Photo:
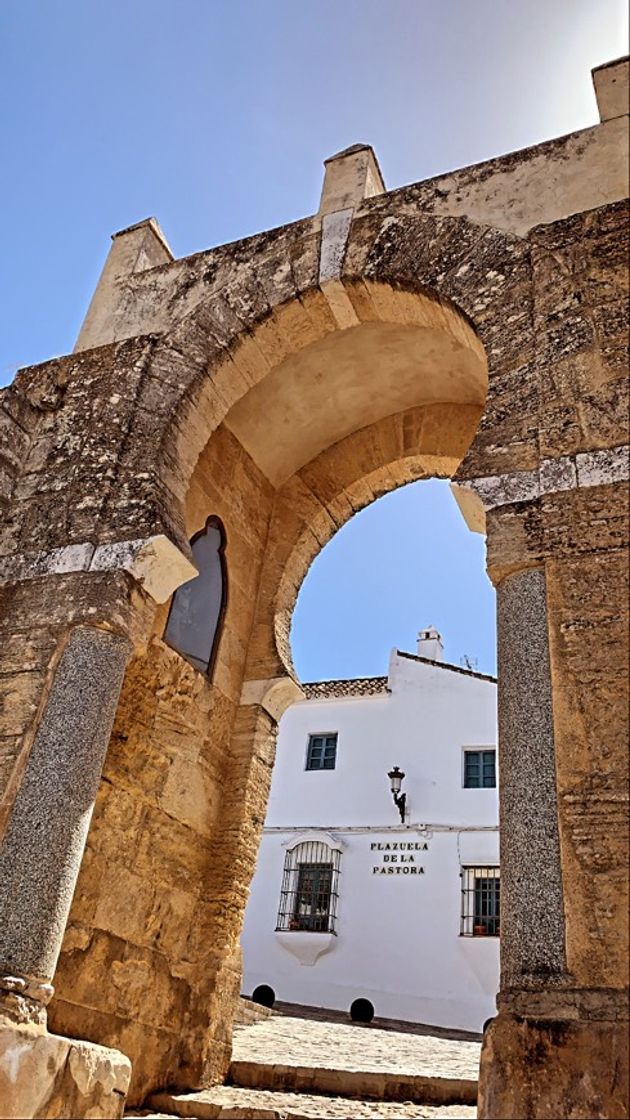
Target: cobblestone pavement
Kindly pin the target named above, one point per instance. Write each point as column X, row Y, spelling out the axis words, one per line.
column 306, row 1047
column 255, row 1104
column 302, row 1042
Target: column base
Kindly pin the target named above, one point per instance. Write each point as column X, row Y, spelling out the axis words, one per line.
column 553, row 1069
column 45, row 1076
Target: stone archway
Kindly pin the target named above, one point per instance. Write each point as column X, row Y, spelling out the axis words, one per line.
column 151, row 964
column 138, row 437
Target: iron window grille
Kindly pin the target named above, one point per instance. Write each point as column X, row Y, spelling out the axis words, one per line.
column 480, row 769
column 321, row 753
column 308, row 899
column 481, row 898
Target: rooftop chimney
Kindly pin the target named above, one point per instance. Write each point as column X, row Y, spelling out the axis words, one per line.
column 430, row 644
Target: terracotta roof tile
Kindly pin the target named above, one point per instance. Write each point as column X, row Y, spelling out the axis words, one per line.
column 360, row 686
column 378, row 686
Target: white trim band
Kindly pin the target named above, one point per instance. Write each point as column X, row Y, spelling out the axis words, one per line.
column 155, row 562
column 571, row 472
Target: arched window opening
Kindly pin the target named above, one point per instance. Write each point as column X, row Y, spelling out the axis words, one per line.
column 308, row 899
column 196, row 615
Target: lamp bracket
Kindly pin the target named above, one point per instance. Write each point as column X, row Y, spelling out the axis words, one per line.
column 400, row 801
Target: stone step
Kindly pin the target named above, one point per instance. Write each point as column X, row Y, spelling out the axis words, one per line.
column 230, row 1102
column 293, row 1055
column 248, row 1012
column 379, row 1085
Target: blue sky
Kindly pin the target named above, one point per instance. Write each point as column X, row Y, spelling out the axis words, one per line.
column 405, row 562
column 215, row 116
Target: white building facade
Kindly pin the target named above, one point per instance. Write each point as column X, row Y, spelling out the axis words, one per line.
column 358, row 896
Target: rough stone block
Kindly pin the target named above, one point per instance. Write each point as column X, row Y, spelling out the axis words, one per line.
column 48, row 1077
column 549, row 1068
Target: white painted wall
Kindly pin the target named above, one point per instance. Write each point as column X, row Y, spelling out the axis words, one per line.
column 397, row 937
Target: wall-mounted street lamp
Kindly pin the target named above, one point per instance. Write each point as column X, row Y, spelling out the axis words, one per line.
column 395, row 780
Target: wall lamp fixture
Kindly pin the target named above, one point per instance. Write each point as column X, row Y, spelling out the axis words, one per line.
column 395, row 780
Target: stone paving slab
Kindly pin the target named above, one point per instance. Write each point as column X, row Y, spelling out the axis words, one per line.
column 340, row 1071
column 231, row 1103
column 334, row 1059
column 301, row 1042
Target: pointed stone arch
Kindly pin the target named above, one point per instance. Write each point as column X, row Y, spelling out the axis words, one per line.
column 396, row 330
column 232, row 326
column 397, row 273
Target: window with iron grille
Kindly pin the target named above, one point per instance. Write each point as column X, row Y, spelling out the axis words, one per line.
column 308, row 899
column 480, row 769
column 321, row 752
column 481, row 896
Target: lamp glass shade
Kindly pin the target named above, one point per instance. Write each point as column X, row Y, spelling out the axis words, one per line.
column 395, row 777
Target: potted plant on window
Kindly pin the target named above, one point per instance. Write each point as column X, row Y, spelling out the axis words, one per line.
column 480, row 930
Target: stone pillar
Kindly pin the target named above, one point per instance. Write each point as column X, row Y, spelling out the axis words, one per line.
column 554, row 1049
column 532, row 917
column 47, row 830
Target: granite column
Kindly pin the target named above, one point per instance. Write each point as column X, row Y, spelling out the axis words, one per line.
column 43, row 845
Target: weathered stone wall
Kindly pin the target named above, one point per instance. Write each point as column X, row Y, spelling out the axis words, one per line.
column 140, row 964
column 401, row 309
column 18, row 419
column 576, row 537
column 579, row 534
column 69, row 424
